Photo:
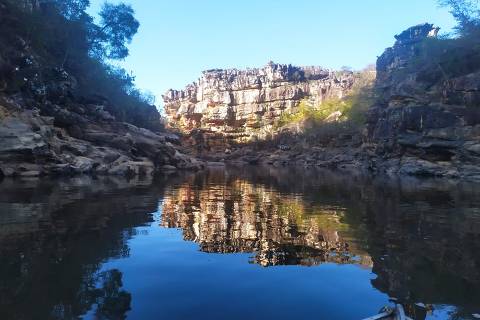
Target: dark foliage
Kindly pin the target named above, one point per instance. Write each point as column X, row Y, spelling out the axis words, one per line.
column 467, row 14
column 60, row 34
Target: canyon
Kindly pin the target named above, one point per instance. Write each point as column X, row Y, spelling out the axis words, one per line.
column 417, row 113
column 424, row 119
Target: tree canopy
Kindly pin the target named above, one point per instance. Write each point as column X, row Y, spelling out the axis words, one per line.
column 467, row 14
column 65, row 35
column 116, row 29
column 109, row 38
column 72, row 9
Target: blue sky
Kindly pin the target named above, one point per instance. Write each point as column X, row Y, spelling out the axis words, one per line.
column 178, row 39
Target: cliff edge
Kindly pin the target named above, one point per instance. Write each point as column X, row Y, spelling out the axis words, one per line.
column 427, row 117
column 240, row 106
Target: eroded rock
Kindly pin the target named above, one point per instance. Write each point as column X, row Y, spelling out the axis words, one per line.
column 241, row 105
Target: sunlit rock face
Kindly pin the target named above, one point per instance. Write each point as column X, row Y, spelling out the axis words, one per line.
column 242, row 104
column 242, row 217
column 427, row 122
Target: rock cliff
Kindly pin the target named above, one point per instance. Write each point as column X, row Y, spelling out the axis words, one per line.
column 427, row 119
column 55, row 137
column 424, row 120
column 244, row 104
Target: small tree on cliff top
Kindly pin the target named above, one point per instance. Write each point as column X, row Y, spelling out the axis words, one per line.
column 467, row 14
column 72, row 9
column 117, row 28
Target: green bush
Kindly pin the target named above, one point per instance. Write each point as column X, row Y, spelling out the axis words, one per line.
column 353, row 107
column 438, row 60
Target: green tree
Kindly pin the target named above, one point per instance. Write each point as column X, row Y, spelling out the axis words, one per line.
column 467, row 14
column 117, row 28
column 72, row 9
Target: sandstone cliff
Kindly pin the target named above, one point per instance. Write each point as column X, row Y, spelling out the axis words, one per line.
column 242, row 105
column 427, row 118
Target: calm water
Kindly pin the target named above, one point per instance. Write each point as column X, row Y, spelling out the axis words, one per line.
column 238, row 244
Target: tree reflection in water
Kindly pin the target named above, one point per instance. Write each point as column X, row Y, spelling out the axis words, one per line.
column 54, row 237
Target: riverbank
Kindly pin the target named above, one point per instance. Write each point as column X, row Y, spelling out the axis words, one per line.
column 64, row 108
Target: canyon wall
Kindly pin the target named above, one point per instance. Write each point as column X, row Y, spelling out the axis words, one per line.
column 244, row 104
column 427, row 117
column 423, row 118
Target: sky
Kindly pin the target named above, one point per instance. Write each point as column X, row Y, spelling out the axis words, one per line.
column 178, row 39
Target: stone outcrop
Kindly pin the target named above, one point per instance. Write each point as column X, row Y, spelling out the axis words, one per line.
column 244, row 104
column 51, row 138
column 426, row 122
column 32, row 144
column 48, row 126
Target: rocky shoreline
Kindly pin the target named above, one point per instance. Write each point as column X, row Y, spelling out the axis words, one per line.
column 55, row 121
column 32, row 144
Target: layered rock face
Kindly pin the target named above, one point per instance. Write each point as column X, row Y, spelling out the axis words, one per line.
column 427, row 122
column 34, row 143
column 57, row 138
column 244, row 104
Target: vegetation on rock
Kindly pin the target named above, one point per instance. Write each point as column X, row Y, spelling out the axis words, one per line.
column 37, row 36
column 320, row 123
column 64, row 107
column 350, row 108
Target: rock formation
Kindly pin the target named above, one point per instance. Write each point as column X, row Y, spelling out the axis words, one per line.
column 427, row 120
column 48, row 126
column 32, row 144
column 244, row 104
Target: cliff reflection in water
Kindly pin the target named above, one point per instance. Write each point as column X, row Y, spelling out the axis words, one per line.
column 421, row 239
column 227, row 214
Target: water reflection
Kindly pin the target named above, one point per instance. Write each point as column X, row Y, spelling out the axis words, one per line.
column 68, row 247
column 228, row 214
column 422, row 238
column 54, row 236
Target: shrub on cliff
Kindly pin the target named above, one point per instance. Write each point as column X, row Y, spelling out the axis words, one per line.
column 351, row 108
column 467, row 14
column 441, row 59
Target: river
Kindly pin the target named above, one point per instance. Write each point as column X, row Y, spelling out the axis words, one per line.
column 238, row 243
